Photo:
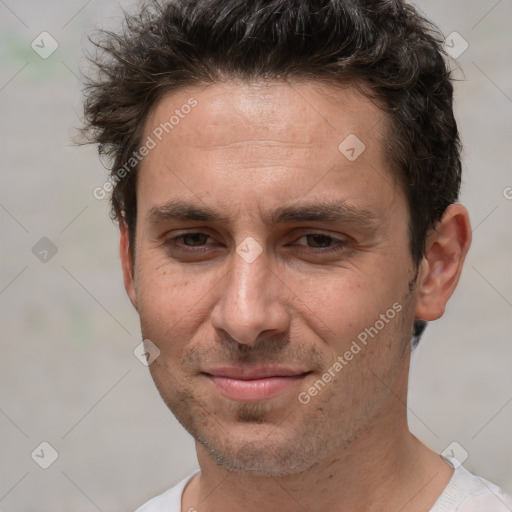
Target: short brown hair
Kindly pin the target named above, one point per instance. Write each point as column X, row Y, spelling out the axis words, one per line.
column 385, row 45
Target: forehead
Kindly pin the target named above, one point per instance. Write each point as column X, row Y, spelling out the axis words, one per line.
column 265, row 141
column 291, row 112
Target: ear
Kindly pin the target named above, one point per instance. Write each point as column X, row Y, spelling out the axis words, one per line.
column 441, row 266
column 127, row 263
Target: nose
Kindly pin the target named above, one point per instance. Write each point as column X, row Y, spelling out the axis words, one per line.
column 251, row 301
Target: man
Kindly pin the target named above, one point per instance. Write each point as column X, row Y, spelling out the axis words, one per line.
column 285, row 177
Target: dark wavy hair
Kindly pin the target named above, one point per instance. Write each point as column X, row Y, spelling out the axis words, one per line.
column 384, row 47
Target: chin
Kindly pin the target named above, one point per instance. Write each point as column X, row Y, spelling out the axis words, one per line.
column 261, row 458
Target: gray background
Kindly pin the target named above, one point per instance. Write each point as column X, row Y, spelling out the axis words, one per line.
column 67, row 372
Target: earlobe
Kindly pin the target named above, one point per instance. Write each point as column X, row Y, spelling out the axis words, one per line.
column 441, row 266
column 127, row 263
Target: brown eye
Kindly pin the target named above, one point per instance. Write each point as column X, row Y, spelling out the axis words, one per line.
column 190, row 244
column 193, row 239
column 319, row 241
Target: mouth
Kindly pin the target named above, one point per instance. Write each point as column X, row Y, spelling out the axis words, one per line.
column 254, row 384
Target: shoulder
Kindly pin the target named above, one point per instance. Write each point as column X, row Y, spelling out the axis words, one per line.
column 170, row 500
column 470, row 493
column 485, row 496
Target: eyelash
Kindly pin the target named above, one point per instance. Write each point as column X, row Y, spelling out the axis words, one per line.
column 337, row 247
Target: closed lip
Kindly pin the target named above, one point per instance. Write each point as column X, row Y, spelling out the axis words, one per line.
column 264, row 372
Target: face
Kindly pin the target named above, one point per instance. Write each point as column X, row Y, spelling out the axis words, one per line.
column 272, row 270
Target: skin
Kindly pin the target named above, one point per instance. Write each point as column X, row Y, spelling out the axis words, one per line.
column 244, row 151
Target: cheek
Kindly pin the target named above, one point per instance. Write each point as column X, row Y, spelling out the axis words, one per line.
column 342, row 305
column 166, row 299
column 367, row 341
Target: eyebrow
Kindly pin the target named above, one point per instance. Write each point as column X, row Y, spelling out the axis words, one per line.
column 331, row 211
column 328, row 211
column 179, row 210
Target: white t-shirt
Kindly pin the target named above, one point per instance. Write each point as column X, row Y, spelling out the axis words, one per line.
column 464, row 493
